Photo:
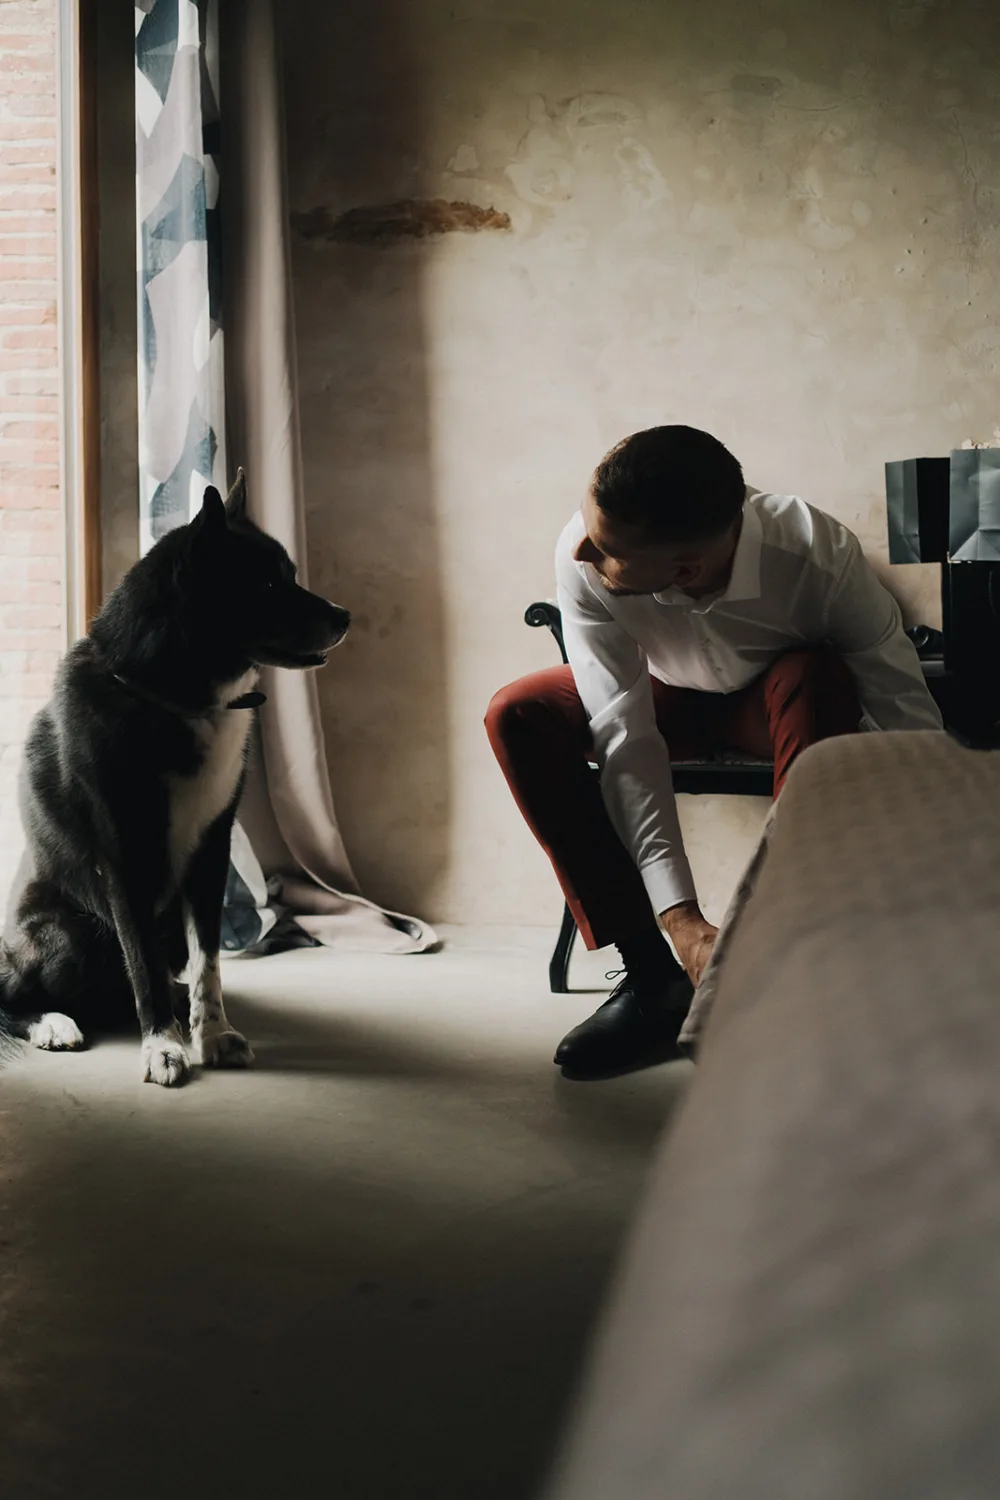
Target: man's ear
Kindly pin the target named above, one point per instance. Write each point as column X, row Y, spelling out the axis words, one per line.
column 236, row 500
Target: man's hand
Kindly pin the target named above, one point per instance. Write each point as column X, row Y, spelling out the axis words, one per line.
column 692, row 936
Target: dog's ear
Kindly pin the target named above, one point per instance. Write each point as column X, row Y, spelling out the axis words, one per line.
column 211, row 519
column 236, row 500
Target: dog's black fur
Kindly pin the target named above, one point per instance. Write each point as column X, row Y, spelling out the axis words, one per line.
column 131, row 777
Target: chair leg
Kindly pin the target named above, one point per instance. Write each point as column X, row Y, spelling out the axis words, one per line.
column 559, row 962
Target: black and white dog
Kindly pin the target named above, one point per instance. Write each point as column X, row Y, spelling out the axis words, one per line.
column 131, row 777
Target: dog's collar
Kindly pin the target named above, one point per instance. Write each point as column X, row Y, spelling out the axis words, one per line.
column 245, row 700
column 248, row 700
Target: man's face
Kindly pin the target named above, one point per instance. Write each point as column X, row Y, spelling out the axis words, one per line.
column 627, row 562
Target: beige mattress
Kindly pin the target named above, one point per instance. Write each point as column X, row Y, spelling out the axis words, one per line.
column 809, row 1308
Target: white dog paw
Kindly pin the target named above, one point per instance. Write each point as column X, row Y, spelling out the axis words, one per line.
column 221, row 1049
column 56, row 1033
column 164, row 1060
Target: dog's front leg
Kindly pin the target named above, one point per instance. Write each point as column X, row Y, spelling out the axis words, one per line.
column 164, row 1058
column 213, row 1041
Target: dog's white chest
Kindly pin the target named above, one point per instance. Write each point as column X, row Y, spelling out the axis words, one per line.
column 196, row 801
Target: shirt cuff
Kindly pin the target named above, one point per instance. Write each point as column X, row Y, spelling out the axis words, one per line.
column 668, row 882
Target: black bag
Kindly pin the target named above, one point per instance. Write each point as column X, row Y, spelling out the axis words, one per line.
column 917, row 500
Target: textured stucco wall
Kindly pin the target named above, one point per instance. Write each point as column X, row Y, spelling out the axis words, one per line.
column 776, row 221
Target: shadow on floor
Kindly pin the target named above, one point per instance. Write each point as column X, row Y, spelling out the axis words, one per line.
column 367, row 1269
column 296, row 1042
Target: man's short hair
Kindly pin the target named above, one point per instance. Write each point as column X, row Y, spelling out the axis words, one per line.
column 677, row 484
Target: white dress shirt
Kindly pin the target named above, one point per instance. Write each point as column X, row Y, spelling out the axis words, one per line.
column 799, row 578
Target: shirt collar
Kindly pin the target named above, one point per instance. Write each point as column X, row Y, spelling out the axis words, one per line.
column 744, row 579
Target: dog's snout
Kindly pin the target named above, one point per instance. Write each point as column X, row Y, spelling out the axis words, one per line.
column 340, row 621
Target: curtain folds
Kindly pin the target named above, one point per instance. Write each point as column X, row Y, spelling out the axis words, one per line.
column 213, row 251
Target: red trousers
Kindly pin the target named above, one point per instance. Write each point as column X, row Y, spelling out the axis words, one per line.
column 540, row 735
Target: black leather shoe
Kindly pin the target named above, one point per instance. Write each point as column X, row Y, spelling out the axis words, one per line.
column 635, row 1027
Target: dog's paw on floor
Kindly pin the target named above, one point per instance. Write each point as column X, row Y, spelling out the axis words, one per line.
column 164, row 1059
column 55, row 1033
column 222, row 1049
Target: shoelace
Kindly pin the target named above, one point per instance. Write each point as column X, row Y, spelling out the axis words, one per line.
column 614, row 974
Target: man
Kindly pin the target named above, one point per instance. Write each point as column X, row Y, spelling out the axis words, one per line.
column 700, row 616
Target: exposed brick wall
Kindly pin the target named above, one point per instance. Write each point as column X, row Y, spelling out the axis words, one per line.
column 31, row 584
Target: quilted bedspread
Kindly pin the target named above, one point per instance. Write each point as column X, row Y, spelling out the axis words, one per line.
column 809, row 1308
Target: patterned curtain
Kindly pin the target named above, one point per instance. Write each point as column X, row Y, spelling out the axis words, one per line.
column 181, row 375
column 311, row 895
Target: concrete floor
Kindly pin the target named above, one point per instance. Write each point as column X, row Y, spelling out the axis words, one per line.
column 366, row 1269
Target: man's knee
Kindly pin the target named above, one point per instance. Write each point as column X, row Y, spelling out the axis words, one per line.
column 525, row 706
column 501, row 713
column 510, row 708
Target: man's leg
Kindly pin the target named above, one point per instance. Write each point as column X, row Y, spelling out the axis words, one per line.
column 802, row 698
column 539, row 732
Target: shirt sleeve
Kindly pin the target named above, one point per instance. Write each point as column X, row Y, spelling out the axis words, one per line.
column 612, row 678
column 864, row 624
